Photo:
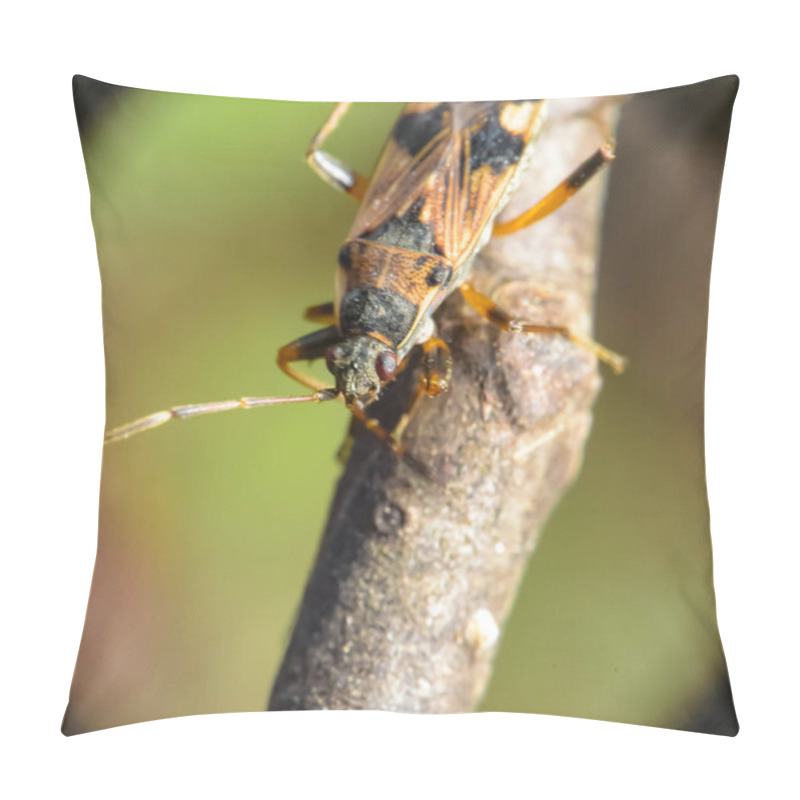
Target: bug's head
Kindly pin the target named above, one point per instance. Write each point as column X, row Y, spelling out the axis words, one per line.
column 362, row 366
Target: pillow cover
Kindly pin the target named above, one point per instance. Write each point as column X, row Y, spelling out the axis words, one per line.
column 464, row 438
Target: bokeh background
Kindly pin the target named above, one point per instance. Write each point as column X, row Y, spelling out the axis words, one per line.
column 213, row 236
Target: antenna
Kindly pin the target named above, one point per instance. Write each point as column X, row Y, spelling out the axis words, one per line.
column 195, row 410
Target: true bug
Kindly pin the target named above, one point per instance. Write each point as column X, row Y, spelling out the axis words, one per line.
column 445, row 174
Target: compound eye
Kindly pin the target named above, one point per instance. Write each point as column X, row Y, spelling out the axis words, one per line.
column 334, row 353
column 385, row 365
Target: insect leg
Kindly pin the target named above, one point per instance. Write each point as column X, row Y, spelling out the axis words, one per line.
column 437, row 368
column 330, row 169
column 555, row 199
column 324, row 314
column 490, row 311
column 377, row 430
column 308, row 348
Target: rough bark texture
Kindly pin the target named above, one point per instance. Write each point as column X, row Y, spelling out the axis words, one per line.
column 415, row 577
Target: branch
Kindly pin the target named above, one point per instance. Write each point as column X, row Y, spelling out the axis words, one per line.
column 415, row 577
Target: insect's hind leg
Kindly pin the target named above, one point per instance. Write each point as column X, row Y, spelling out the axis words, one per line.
column 555, row 199
column 308, row 348
column 490, row 311
column 330, row 169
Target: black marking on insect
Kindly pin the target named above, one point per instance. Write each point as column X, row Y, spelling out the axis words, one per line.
column 493, row 145
column 415, row 131
column 407, row 231
column 439, row 275
column 345, row 262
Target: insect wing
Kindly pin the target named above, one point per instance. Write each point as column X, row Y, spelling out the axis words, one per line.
column 491, row 144
column 452, row 164
column 414, row 152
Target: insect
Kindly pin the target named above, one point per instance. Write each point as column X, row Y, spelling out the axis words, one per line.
column 445, row 174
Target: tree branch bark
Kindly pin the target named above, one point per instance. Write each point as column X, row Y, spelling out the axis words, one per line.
column 414, row 578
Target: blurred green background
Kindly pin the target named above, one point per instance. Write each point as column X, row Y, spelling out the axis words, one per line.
column 213, row 236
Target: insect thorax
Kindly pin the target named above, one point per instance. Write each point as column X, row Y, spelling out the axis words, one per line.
column 384, row 287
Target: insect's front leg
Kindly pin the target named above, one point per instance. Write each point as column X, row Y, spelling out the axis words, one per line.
column 308, row 348
column 490, row 311
column 555, row 199
column 330, row 169
column 437, row 369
